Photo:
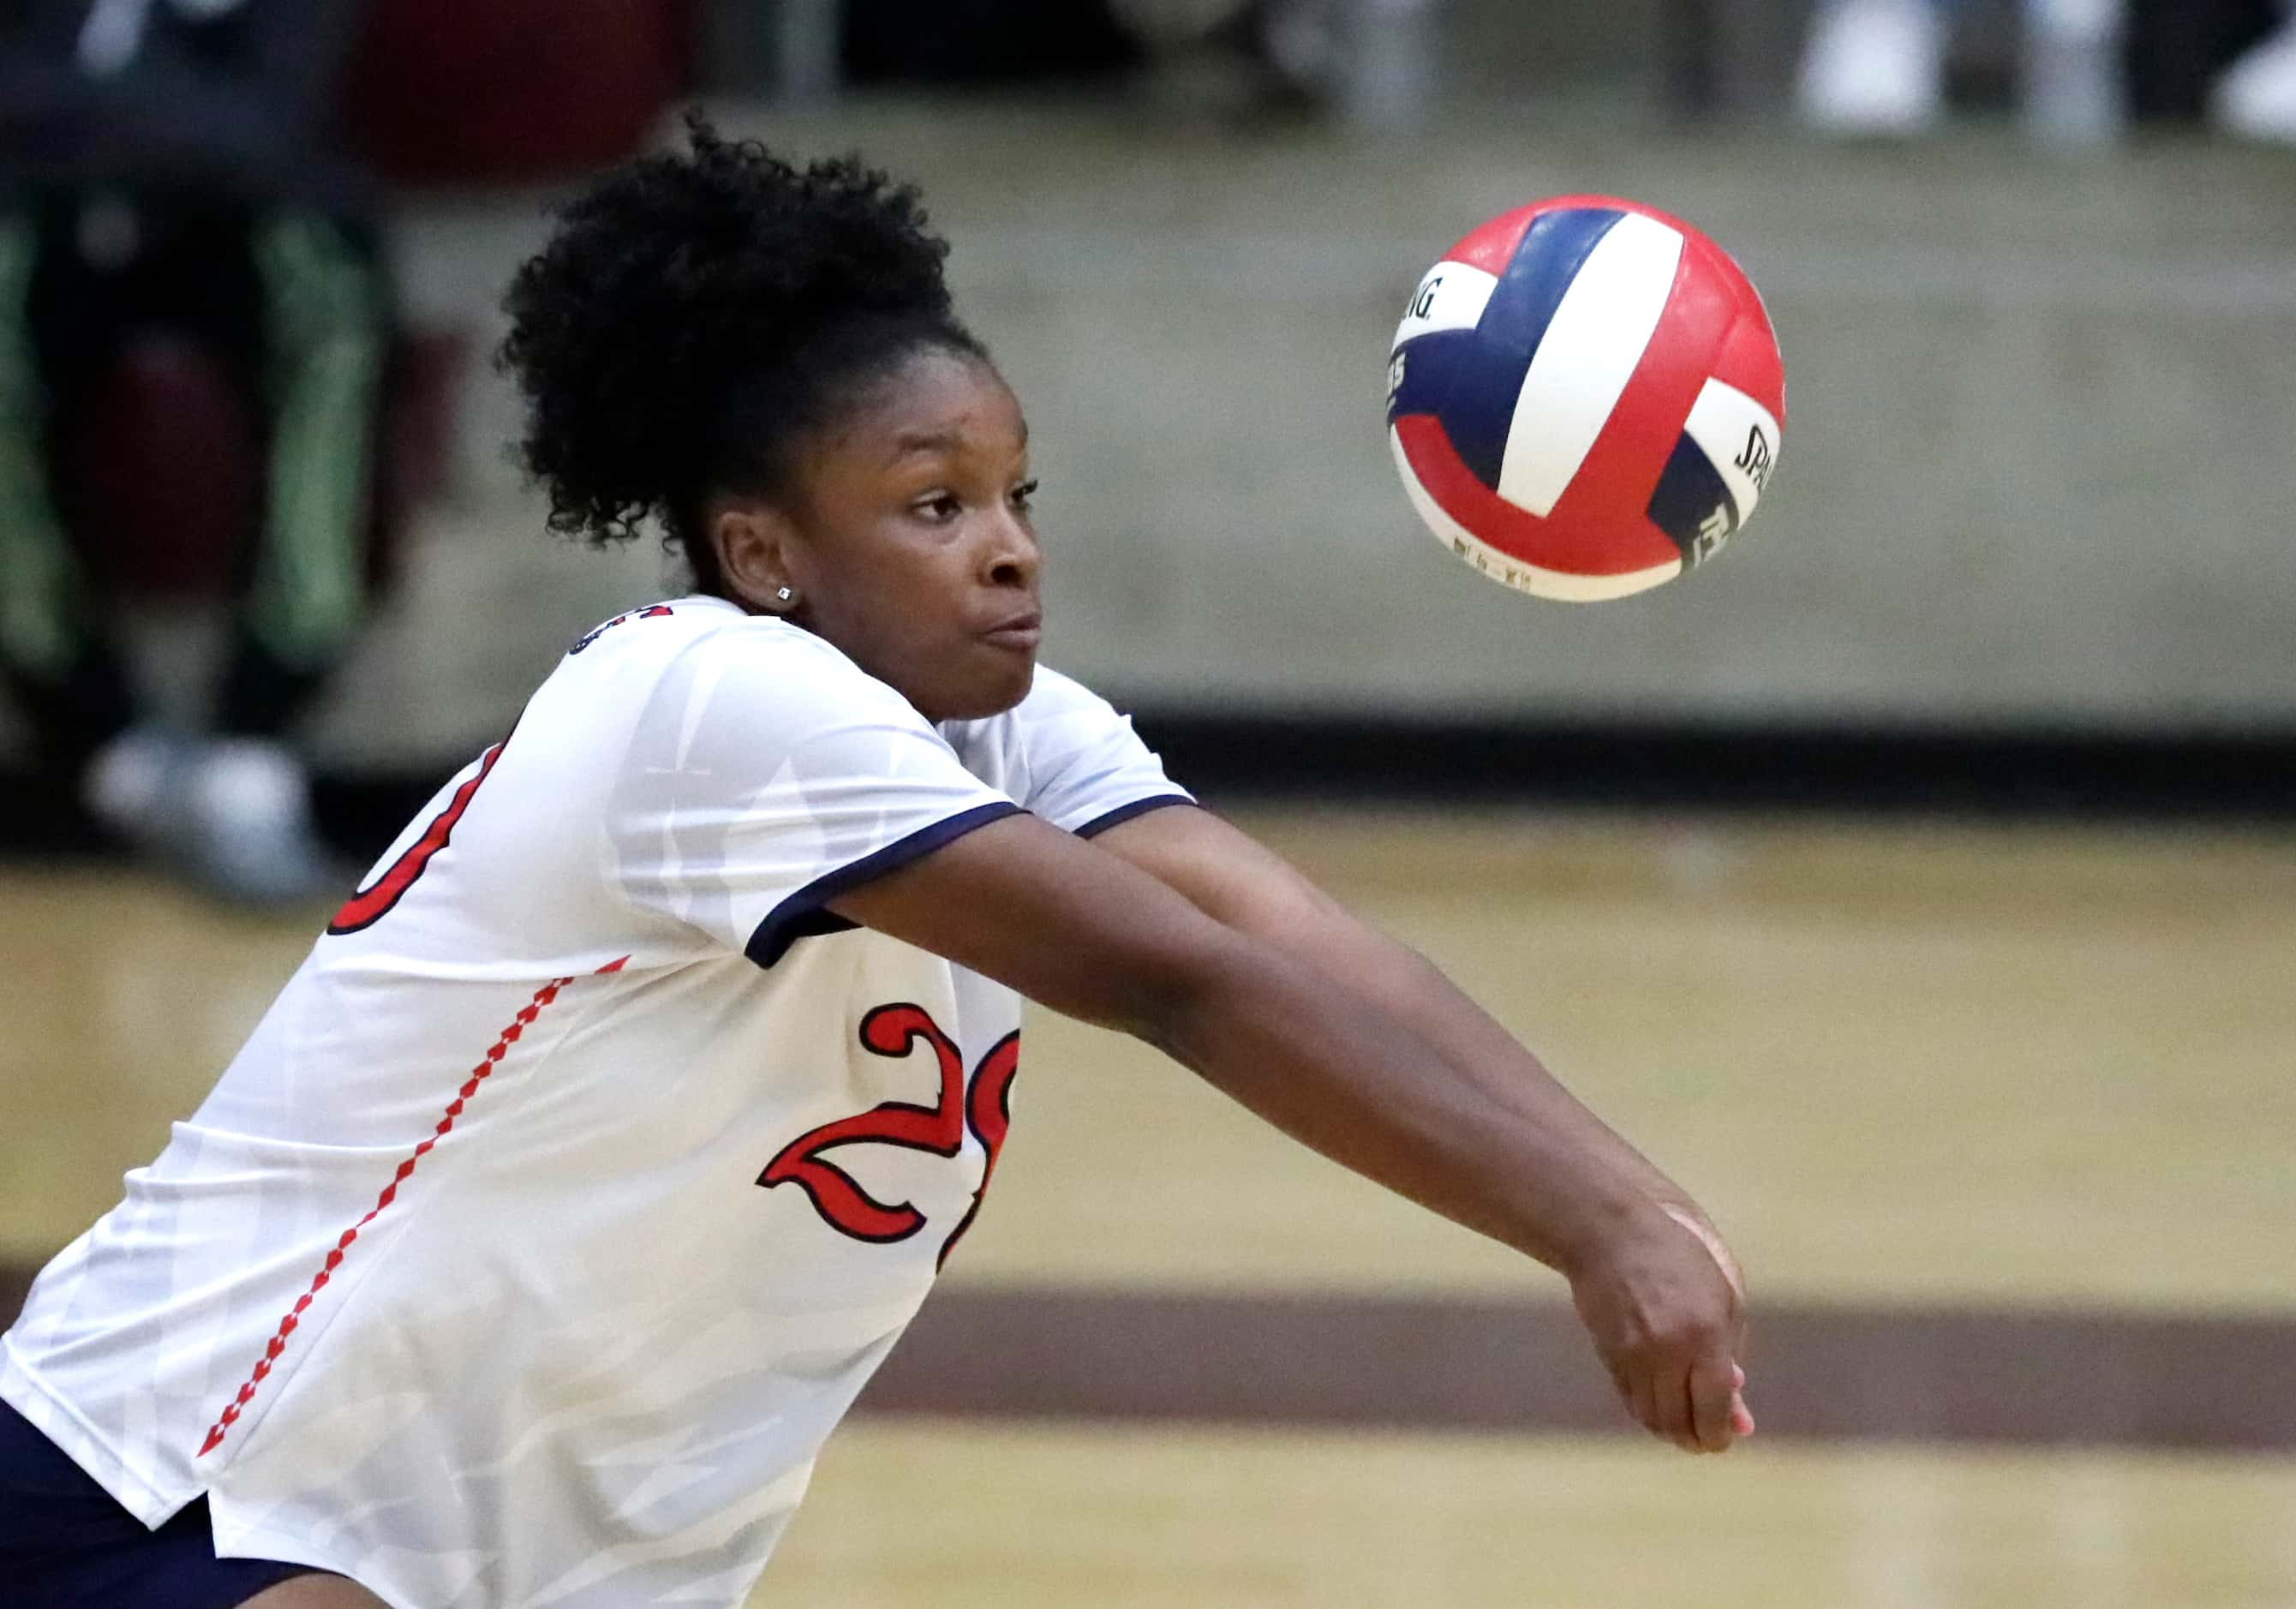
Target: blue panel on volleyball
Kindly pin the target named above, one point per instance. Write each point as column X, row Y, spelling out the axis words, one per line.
column 1486, row 375
column 1424, row 369
column 1692, row 503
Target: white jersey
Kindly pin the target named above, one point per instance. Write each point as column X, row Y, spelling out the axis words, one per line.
column 576, row 1183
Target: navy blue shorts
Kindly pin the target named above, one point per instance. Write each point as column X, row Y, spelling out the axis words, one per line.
column 66, row 1543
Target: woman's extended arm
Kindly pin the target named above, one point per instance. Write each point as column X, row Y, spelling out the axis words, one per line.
column 1341, row 1065
column 1241, row 883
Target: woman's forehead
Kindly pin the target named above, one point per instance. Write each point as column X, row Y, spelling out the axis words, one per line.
column 936, row 403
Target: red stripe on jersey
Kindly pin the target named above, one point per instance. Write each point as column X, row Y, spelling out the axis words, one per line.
column 369, row 905
column 495, row 1052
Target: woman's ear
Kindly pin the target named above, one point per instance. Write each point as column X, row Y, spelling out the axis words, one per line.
column 752, row 540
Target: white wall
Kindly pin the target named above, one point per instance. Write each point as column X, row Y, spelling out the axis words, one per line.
column 2041, row 451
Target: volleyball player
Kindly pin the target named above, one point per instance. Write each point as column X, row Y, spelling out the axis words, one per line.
column 604, row 1146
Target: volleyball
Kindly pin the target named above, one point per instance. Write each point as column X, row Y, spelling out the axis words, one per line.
column 1585, row 399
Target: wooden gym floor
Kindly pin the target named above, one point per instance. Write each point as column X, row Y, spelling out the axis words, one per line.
column 1999, row 1118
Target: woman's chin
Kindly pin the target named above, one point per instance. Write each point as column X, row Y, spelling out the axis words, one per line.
column 993, row 692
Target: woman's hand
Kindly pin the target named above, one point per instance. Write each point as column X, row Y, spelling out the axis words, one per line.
column 1665, row 1304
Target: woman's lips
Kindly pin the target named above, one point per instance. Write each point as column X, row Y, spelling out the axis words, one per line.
column 1021, row 634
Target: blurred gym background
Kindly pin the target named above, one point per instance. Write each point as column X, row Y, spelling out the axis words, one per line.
column 1917, row 883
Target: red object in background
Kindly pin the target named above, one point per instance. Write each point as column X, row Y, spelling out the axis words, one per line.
column 512, row 91
column 161, row 465
column 162, row 460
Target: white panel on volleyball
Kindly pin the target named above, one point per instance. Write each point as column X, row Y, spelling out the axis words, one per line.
column 1508, row 569
column 1589, row 352
column 1452, row 297
column 1739, row 437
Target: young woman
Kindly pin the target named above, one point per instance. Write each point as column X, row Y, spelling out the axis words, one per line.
column 608, row 1140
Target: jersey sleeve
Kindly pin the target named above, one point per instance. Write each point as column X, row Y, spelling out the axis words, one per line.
column 1083, row 768
column 768, row 775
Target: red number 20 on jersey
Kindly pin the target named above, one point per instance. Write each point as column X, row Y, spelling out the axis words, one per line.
column 985, row 1106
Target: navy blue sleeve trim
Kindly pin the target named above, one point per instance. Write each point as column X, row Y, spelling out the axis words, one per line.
column 802, row 916
column 1117, row 817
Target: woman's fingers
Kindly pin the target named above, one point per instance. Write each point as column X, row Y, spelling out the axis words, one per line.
column 1642, row 1397
column 1713, row 1396
column 1701, row 1409
column 1742, row 1417
column 1671, row 1401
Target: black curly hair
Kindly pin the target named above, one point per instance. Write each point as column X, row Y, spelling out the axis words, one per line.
column 695, row 314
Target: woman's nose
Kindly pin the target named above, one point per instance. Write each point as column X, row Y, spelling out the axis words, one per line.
column 1013, row 557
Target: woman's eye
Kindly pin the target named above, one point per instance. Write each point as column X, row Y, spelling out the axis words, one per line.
column 939, row 505
column 1024, row 495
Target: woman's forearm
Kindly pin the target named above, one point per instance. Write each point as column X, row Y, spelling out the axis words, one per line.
column 1339, row 945
column 1416, row 990
column 1346, row 1070
column 1245, row 887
